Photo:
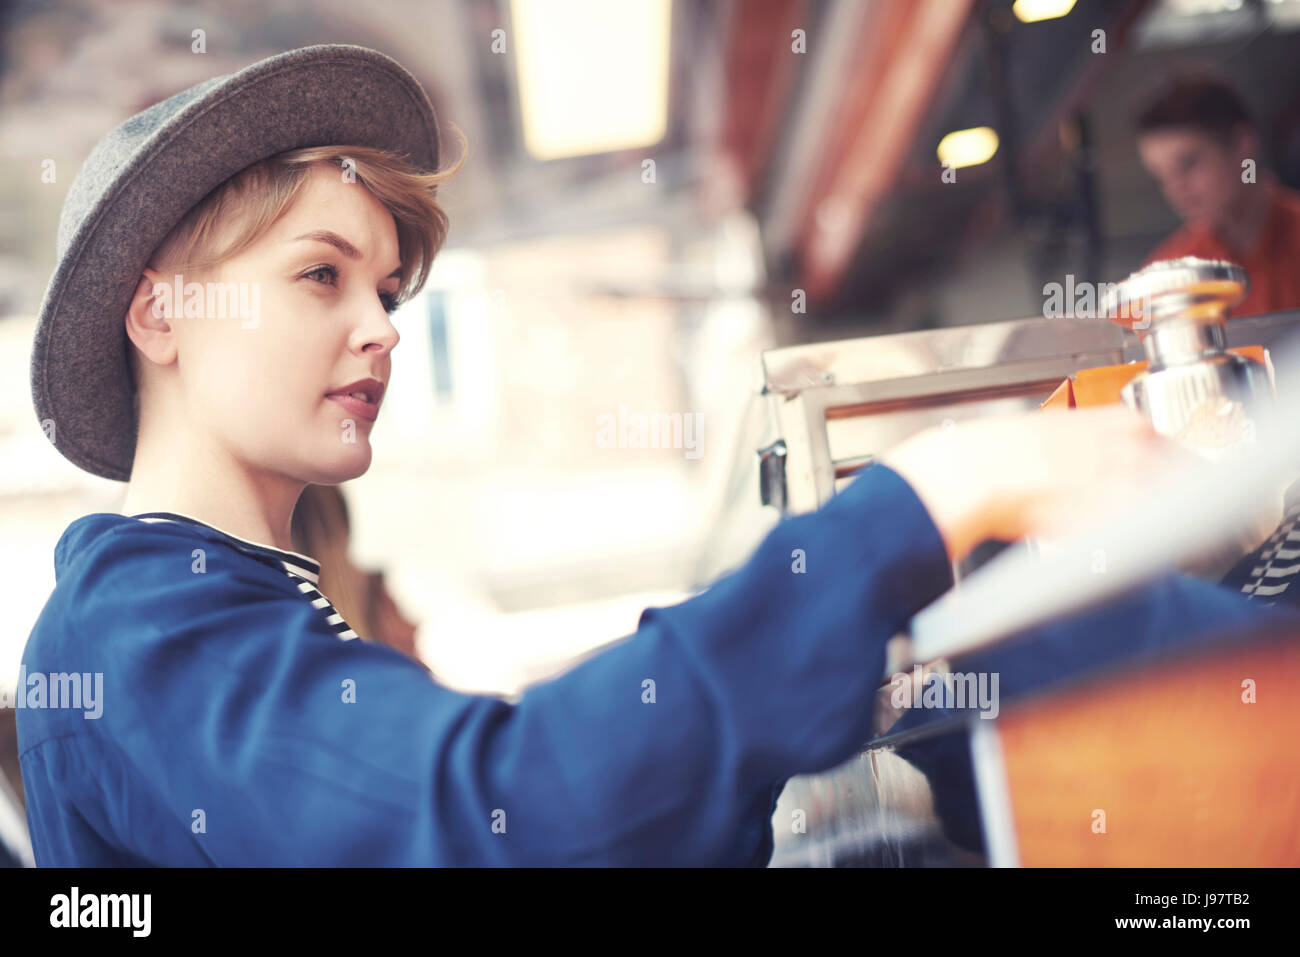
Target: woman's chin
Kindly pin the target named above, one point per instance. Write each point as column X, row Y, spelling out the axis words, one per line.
column 343, row 465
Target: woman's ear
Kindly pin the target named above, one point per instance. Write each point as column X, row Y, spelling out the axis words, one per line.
column 149, row 316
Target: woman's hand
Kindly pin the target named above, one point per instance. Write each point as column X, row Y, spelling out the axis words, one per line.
column 1037, row 474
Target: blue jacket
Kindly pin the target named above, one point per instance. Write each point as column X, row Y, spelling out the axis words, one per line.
column 238, row 727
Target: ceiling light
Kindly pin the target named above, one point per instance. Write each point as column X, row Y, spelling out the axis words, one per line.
column 1031, row 11
column 593, row 74
column 968, row 147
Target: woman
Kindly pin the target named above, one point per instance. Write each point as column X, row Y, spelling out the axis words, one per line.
column 239, row 721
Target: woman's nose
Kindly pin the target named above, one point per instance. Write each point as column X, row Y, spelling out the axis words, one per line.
column 381, row 333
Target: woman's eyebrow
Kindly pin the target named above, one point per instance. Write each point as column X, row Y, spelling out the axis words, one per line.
column 332, row 238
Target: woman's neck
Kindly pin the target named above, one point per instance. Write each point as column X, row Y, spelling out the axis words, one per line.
column 213, row 488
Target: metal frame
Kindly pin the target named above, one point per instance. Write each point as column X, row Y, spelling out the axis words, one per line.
column 809, row 385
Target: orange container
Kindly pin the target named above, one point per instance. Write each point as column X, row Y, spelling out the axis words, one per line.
column 1102, row 385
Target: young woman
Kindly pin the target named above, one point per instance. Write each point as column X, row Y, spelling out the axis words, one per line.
column 229, row 715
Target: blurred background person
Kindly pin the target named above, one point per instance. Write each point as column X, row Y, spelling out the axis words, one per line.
column 1199, row 142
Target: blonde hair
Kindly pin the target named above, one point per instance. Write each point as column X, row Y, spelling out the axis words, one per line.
column 256, row 197
column 321, row 530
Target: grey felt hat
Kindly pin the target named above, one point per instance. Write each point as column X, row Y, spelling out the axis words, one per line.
column 144, row 176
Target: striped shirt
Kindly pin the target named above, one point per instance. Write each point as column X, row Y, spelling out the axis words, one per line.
column 1267, row 574
column 302, row 570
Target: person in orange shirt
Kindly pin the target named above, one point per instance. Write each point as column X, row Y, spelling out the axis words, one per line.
column 1198, row 140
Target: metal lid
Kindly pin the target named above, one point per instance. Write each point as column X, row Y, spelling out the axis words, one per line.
column 1191, row 288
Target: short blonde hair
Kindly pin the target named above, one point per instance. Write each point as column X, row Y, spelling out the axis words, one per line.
column 251, row 201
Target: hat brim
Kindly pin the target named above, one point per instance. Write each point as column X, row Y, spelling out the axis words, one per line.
column 314, row 96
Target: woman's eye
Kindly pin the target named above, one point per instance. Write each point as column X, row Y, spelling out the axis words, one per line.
column 329, row 272
column 329, row 276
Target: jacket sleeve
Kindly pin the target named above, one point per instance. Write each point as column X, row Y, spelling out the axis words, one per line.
column 664, row 748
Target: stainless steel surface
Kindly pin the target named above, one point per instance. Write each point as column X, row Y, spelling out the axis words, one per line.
column 1170, row 342
column 1193, row 390
column 1207, row 288
column 771, row 474
column 793, row 369
column 838, row 403
column 1263, row 330
column 1207, row 404
column 996, row 813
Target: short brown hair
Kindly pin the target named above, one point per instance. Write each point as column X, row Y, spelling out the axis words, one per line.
column 1200, row 102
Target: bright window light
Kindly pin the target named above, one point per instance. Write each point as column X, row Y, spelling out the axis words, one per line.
column 968, row 147
column 1031, row 11
column 593, row 74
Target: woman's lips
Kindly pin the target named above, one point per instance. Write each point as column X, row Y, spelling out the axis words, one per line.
column 358, row 407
